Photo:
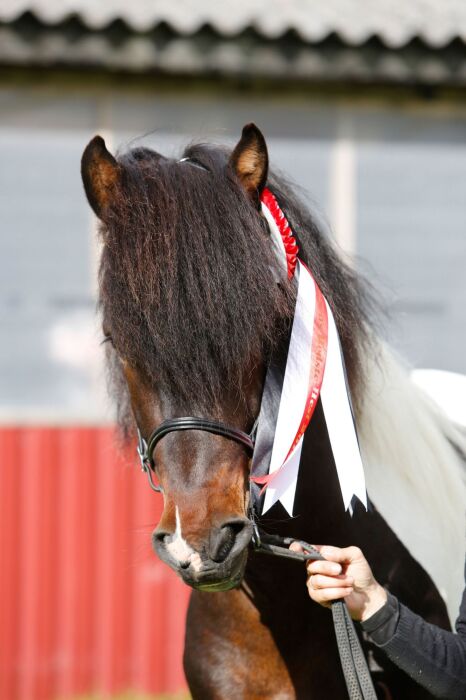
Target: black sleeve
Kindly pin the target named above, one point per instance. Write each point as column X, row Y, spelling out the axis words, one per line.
column 433, row 657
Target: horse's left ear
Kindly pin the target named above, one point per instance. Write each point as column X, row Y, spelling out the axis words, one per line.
column 250, row 161
column 100, row 173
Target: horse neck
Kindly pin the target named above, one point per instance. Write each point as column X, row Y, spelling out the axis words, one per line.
column 405, row 437
column 319, row 518
column 414, row 462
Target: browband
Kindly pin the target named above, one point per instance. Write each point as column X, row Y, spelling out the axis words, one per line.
column 146, row 449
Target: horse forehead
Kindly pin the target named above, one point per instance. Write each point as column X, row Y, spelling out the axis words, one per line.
column 202, row 472
column 195, row 451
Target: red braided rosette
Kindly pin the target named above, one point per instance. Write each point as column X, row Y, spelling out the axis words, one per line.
column 289, row 241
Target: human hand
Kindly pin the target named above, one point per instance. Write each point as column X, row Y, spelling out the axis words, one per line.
column 345, row 574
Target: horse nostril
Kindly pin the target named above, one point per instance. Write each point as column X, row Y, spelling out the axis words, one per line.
column 223, row 539
column 221, row 543
column 159, row 537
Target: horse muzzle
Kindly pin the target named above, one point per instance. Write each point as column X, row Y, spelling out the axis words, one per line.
column 217, row 564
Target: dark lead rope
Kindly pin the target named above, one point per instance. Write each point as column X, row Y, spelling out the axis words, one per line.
column 353, row 662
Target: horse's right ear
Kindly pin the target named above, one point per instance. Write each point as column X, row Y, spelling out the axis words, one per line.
column 100, row 174
column 250, row 161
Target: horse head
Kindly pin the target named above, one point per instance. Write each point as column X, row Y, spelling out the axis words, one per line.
column 191, row 307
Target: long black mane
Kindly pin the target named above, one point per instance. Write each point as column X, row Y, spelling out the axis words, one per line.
column 188, row 276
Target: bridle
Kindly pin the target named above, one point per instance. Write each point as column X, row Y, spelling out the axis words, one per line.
column 146, row 449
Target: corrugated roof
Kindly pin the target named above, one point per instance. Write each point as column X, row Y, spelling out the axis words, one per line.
column 192, row 56
column 394, row 22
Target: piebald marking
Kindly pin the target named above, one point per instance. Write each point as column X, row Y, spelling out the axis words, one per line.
column 415, row 471
column 179, row 549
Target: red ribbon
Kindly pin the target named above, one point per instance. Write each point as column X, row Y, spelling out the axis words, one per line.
column 319, row 336
column 316, row 375
column 289, row 242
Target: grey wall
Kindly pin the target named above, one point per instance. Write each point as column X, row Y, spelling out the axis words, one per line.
column 407, row 177
column 412, row 228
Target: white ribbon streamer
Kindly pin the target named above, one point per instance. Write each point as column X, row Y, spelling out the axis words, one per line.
column 293, row 398
column 334, row 397
column 340, row 421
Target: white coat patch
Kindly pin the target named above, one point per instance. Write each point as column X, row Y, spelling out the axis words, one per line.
column 180, row 550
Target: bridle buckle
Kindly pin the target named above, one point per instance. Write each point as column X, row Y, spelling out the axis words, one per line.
column 146, row 462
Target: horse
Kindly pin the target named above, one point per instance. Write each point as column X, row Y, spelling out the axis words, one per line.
column 191, row 314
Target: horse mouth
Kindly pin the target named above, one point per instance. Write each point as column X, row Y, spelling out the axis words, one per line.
column 220, row 569
column 226, row 585
column 221, row 577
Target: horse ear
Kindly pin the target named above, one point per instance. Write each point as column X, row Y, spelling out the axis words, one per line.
column 100, row 174
column 250, row 161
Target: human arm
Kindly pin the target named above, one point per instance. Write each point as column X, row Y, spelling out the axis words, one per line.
column 433, row 657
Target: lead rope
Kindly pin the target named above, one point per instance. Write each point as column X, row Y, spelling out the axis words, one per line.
column 353, row 662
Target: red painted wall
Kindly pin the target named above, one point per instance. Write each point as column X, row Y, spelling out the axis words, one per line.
column 84, row 604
